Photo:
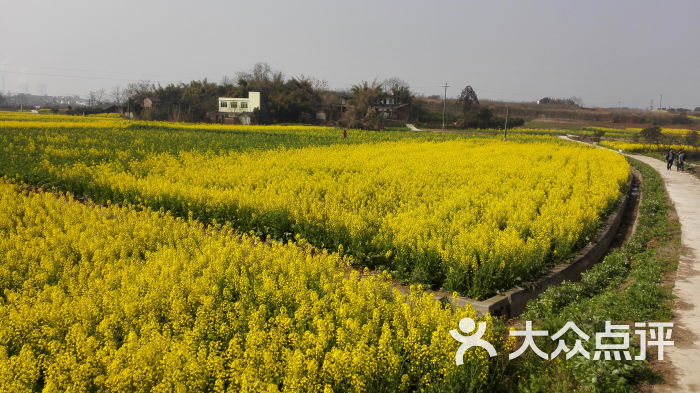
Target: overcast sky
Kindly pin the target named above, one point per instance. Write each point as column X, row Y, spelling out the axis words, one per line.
column 602, row 51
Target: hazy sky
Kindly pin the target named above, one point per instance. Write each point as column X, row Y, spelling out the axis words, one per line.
column 602, row 51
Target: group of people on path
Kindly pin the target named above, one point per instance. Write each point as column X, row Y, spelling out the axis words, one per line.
column 675, row 157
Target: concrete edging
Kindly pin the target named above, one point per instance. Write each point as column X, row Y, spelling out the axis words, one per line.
column 512, row 302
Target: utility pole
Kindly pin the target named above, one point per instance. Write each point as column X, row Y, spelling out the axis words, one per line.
column 651, row 106
column 444, row 106
column 619, row 105
column 505, row 127
column 661, row 97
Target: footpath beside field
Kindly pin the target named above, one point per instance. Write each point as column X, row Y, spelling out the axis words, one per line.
column 684, row 191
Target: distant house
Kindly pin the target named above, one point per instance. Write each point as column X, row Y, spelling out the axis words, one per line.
column 390, row 109
column 332, row 107
column 238, row 110
column 149, row 106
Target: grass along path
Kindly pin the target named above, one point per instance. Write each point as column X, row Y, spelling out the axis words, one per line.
column 684, row 191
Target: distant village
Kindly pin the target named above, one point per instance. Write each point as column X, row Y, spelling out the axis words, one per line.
column 265, row 96
column 34, row 101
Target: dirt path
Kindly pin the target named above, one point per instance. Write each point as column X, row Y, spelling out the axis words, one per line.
column 413, row 128
column 684, row 191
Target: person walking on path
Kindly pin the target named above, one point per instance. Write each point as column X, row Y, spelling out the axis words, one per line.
column 680, row 164
column 669, row 159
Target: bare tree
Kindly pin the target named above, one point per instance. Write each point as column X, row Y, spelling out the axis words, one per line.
column 261, row 72
column 118, row 96
column 96, row 98
column 398, row 90
column 227, row 81
column 316, row 84
column 138, row 88
column 392, row 83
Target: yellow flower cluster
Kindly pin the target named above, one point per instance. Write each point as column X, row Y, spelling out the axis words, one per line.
column 229, row 127
column 95, row 123
column 473, row 215
column 633, row 131
column 111, row 299
column 49, row 117
column 23, row 120
column 630, row 147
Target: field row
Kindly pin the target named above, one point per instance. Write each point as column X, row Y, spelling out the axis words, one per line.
column 631, row 147
column 472, row 215
column 106, row 298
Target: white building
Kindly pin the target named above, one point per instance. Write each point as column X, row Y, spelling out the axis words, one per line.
column 240, row 105
column 238, row 110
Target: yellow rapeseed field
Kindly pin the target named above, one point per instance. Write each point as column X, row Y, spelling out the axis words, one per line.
column 110, row 299
column 472, row 215
column 635, row 131
column 230, row 261
column 631, row 147
column 25, row 120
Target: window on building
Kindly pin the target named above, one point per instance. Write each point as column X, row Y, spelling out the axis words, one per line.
column 223, row 104
column 234, row 104
column 244, row 105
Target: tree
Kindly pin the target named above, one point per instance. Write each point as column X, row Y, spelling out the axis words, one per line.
column 598, row 134
column 576, row 101
column 198, row 98
column 364, row 95
column 652, row 134
column 571, row 101
column 140, row 88
column 469, row 100
column 692, row 138
column 296, row 101
column 398, row 90
column 95, row 98
column 316, row 84
column 2, row 99
column 282, row 100
column 118, row 96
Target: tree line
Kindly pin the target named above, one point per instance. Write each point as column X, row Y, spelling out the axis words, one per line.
column 284, row 100
column 366, row 105
column 301, row 99
column 655, row 135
